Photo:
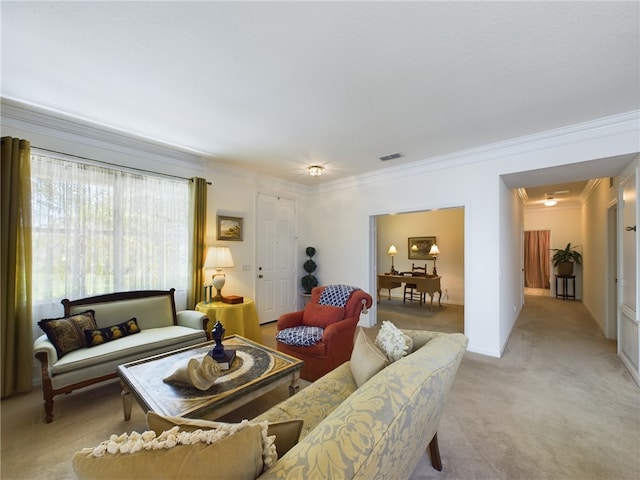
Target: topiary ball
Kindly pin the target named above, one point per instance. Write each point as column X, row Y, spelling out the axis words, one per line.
column 308, row 282
column 309, row 266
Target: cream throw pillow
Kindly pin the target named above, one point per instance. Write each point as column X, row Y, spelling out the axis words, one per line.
column 366, row 358
column 287, row 433
column 234, row 453
column 393, row 342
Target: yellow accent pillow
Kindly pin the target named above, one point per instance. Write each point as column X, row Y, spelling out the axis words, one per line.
column 287, row 433
column 366, row 358
column 237, row 456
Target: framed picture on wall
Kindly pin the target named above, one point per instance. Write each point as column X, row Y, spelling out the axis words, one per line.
column 229, row 228
column 419, row 248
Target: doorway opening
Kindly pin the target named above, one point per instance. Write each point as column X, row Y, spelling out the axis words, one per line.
column 537, row 265
column 444, row 227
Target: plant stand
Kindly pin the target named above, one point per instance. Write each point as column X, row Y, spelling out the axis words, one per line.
column 565, row 295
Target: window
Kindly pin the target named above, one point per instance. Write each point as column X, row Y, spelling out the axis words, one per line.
column 99, row 230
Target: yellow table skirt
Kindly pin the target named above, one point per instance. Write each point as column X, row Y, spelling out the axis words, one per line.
column 239, row 319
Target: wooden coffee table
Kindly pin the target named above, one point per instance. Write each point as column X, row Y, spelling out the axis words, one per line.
column 256, row 370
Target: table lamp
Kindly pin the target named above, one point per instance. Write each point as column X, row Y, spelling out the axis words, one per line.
column 392, row 251
column 434, row 252
column 218, row 258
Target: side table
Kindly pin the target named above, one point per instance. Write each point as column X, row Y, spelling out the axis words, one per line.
column 239, row 319
column 565, row 295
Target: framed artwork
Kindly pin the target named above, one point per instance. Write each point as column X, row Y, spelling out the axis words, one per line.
column 419, row 248
column 229, row 228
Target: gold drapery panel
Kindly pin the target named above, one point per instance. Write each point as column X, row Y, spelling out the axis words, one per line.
column 198, row 199
column 15, row 214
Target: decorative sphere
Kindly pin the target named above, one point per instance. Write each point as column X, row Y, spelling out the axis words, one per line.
column 309, row 266
column 310, row 251
column 308, row 282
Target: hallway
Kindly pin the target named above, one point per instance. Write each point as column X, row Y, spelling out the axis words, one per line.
column 558, row 404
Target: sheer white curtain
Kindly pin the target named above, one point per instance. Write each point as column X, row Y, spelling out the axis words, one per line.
column 99, row 230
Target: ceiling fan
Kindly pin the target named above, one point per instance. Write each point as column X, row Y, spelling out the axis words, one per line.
column 551, row 201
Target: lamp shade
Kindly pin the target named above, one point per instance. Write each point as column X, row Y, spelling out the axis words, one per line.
column 434, row 250
column 218, row 257
column 392, row 250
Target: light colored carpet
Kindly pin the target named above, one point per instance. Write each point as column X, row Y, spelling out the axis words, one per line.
column 446, row 318
column 558, row 405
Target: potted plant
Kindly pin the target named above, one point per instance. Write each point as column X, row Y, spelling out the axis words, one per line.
column 309, row 281
column 564, row 258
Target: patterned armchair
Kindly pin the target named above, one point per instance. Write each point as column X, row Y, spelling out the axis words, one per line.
column 322, row 334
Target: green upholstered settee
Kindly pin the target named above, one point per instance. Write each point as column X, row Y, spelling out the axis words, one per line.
column 161, row 329
column 377, row 430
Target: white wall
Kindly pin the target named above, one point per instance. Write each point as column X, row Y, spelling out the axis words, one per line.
column 595, row 240
column 234, row 194
column 336, row 218
column 447, row 225
column 510, row 254
column 470, row 180
column 350, row 207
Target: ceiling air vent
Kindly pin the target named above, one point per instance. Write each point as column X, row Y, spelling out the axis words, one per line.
column 391, row 156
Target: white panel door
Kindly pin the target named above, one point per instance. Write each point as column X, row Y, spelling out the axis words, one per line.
column 628, row 331
column 276, row 257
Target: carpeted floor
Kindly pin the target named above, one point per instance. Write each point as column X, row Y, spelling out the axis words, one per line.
column 447, row 318
column 557, row 405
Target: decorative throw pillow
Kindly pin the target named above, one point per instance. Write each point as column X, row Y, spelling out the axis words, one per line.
column 98, row 336
column 287, row 433
column 67, row 333
column 300, row 336
column 232, row 452
column 393, row 342
column 366, row 358
column 316, row 315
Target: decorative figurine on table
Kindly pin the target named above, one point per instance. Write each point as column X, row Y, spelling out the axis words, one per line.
column 223, row 357
column 218, row 335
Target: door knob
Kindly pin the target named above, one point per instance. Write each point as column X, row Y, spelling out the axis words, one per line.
column 631, row 229
column 260, row 276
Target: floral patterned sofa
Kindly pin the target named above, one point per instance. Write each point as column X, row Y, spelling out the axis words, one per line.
column 379, row 429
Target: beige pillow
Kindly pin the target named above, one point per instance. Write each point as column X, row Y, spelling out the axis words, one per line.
column 366, row 358
column 287, row 433
column 174, row 454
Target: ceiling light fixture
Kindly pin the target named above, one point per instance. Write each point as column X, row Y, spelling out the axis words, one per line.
column 315, row 170
column 550, row 202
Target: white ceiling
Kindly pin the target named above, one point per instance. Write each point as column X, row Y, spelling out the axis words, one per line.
column 276, row 86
